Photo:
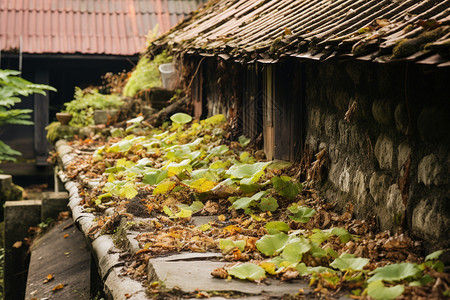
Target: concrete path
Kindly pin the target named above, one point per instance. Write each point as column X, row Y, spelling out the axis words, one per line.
column 61, row 252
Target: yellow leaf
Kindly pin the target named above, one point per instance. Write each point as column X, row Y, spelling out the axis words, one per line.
column 111, row 177
column 121, row 162
column 202, row 185
column 268, row 266
column 128, row 190
column 163, row 187
column 204, row 227
column 58, row 287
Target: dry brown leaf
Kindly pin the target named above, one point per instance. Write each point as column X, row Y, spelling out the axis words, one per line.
column 17, row 244
column 58, row 287
column 49, row 278
column 220, row 273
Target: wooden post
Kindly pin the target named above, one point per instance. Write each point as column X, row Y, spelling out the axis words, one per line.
column 41, row 118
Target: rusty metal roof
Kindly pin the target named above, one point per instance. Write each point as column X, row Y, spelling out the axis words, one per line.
column 378, row 30
column 116, row 27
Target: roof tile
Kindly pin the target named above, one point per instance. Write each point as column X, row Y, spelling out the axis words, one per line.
column 317, row 28
column 116, row 27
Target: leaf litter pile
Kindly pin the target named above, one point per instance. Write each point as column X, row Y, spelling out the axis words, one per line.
column 265, row 223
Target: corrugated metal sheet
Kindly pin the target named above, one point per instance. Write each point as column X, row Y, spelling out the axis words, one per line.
column 317, row 29
column 116, row 27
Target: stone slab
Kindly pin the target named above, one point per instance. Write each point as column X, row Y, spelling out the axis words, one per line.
column 194, row 273
column 53, row 204
column 67, row 259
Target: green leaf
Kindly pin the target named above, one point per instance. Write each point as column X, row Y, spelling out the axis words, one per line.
column 194, row 207
column 341, row 232
column 184, row 213
column 244, row 202
column 293, row 251
column 348, row 262
column 316, row 251
column 275, row 227
column 394, row 272
column 218, row 151
column 301, row 213
column 422, row 281
column 378, row 291
column 271, row 245
column 227, row 245
column 286, row 188
column 247, row 271
column 181, row 118
column 435, row 255
column 246, row 170
column 268, row 204
column 167, row 211
column 156, row 177
column 249, row 188
column 243, row 140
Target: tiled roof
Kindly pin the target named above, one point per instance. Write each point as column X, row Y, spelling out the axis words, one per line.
column 317, row 29
column 116, row 27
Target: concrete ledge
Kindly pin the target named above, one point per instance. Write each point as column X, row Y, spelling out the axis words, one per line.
column 66, row 258
column 19, row 216
column 53, row 204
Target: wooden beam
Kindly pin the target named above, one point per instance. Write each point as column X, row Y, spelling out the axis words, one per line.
column 41, row 118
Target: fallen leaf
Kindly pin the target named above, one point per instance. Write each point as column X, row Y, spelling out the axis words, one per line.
column 49, row 278
column 58, row 287
column 66, row 236
column 17, row 244
column 219, row 273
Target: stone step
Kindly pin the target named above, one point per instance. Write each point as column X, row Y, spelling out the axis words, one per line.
column 61, row 252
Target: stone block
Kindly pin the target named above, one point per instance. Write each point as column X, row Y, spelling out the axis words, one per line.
column 430, row 223
column 384, row 151
column 344, row 132
column 19, row 216
column 382, row 111
column 401, row 118
column 175, row 269
column 5, row 183
column 394, row 199
column 360, row 188
column 404, row 151
column 330, row 126
column 53, row 204
column 8, row 190
column 378, row 186
column 430, row 171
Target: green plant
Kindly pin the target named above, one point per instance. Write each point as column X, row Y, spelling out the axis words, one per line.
column 146, row 75
column 11, row 88
column 85, row 102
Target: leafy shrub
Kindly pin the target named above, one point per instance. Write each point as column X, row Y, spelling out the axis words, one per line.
column 11, row 88
column 146, row 75
column 86, row 101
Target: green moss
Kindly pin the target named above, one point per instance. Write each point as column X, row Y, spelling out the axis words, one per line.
column 85, row 102
column 408, row 47
column 146, row 75
column 56, row 131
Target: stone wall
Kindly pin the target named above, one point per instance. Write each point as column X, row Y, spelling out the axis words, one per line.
column 391, row 158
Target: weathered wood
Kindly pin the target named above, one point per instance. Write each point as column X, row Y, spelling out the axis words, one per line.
column 181, row 105
column 41, row 118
